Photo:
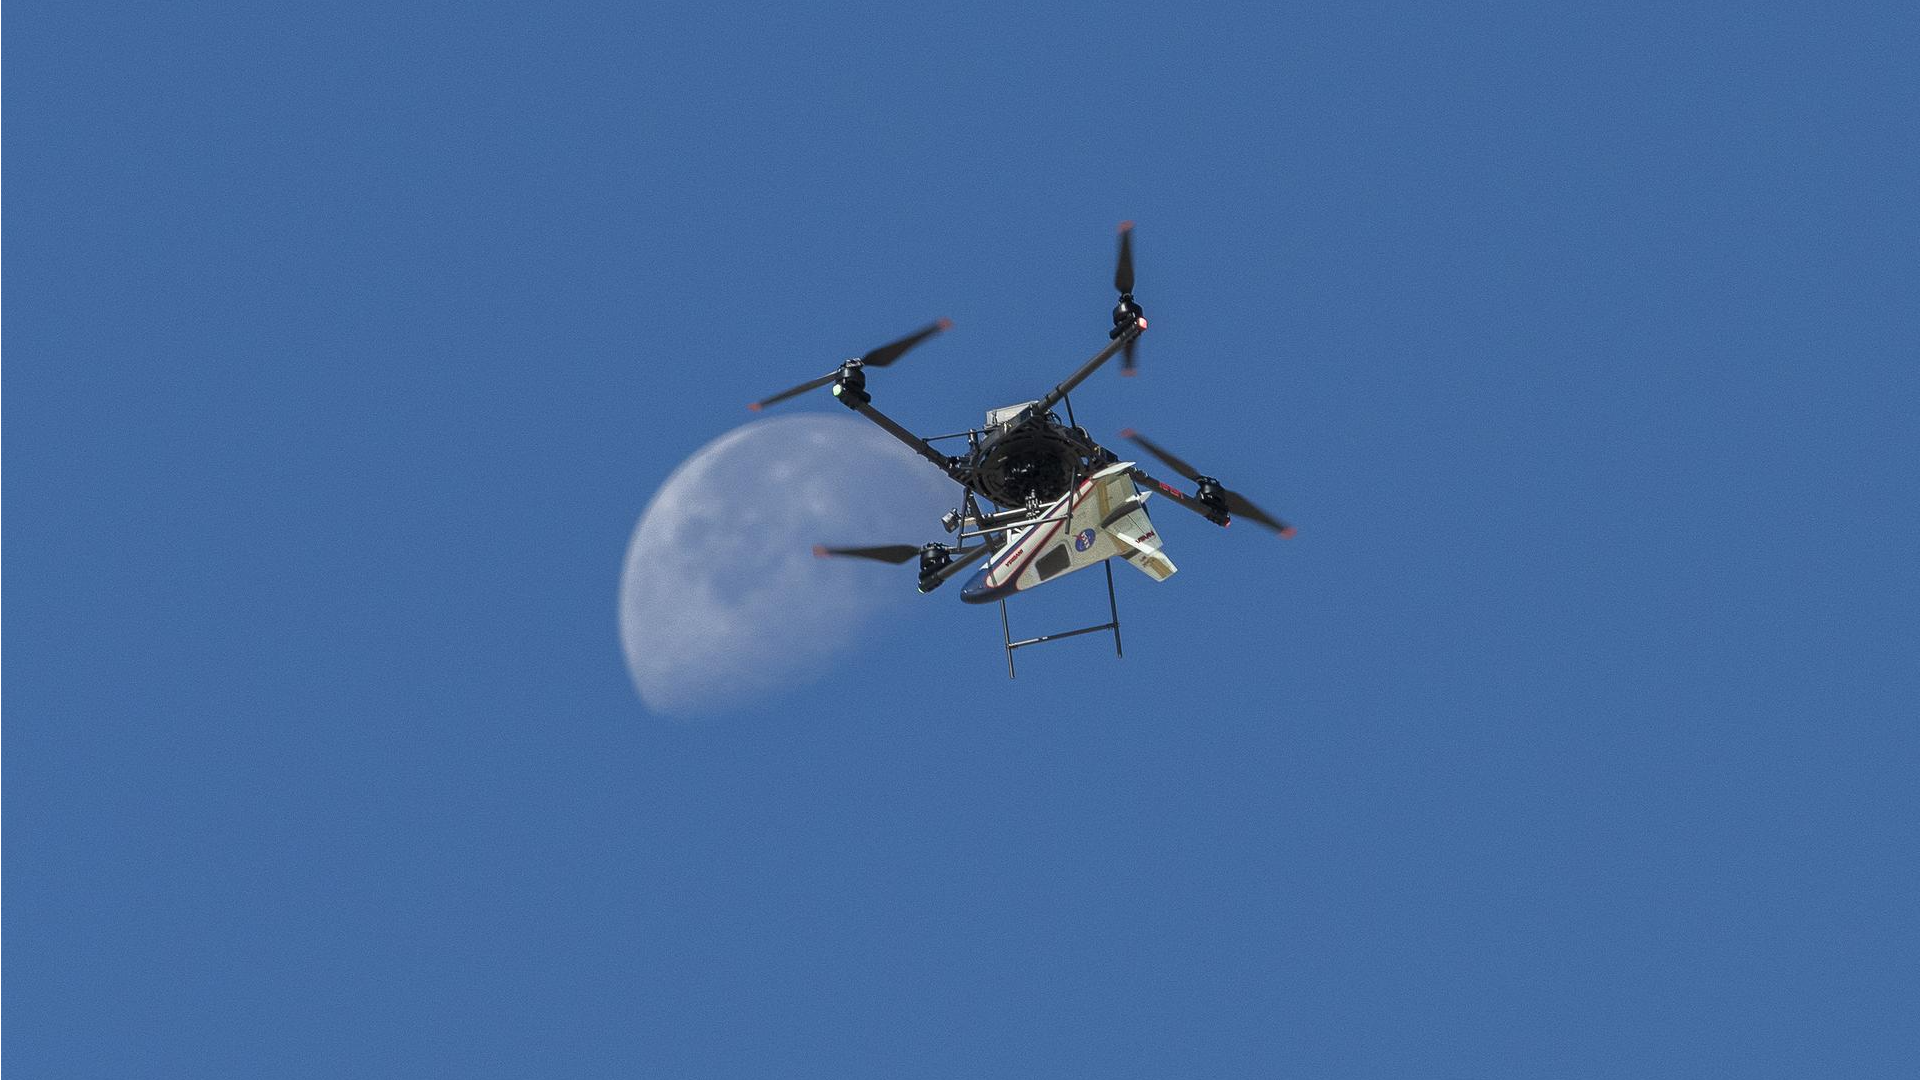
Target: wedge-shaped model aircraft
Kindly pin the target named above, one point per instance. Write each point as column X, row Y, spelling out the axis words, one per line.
column 1039, row 495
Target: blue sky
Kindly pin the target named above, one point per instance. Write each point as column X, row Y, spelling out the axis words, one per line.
column 1573, row 736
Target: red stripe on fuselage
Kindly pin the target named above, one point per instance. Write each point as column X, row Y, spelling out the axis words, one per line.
column 1025, row 554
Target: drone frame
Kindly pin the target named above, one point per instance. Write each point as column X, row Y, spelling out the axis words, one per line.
column 1018, row 461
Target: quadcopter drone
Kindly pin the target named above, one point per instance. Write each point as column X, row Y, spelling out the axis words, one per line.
column 1039, row 494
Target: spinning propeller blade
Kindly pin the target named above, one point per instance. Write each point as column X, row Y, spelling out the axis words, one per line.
column 811, row 384
column 1167, row 456
column 888, row 353
column 880, row 357
column 1126, row 309
column 890, row 553
column 933, row 572
column 1242, row 508
column 1237, row 504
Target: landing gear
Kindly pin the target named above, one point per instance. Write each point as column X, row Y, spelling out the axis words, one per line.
column 1113, row 624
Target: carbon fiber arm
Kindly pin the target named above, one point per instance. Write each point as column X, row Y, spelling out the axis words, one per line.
column 916, row 443
column 1180, row 497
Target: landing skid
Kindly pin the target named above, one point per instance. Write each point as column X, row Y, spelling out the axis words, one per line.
column 1113, row 609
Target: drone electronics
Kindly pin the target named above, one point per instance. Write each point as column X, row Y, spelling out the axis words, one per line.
column 1039, row 494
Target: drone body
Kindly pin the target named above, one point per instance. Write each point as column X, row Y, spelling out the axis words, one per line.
column 1055, row 500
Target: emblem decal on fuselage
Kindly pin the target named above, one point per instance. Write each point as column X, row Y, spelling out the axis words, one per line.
column 1084, row 540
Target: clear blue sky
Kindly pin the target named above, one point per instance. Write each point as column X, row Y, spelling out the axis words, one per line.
column 1574, row 735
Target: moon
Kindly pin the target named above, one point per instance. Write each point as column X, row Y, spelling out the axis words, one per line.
column 722, row 602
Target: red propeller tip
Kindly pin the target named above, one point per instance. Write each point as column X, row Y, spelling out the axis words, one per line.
column 1129, row 372
column 820, row 551
column 945, row 324
column 1126, row 226
column 1287, row 533
column 755, row 407
column 1127, row 433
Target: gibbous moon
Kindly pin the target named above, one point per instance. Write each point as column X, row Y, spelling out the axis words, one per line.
column 722, row 601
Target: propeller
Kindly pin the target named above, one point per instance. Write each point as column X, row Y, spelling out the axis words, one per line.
column 1126, row 311
column 880, row 357
column 1236, row 503
column 891, row 553
column 938, row 562
column 811, row 384
column 888, row 353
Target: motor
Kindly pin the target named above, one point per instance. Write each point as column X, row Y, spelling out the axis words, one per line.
column 1212, row 495
column 933, row 559
column 850, row 386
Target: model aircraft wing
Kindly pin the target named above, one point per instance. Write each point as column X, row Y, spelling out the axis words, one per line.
column 1127, row 530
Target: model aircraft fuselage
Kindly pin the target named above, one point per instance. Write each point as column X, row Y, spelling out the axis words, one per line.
column 1104, row 517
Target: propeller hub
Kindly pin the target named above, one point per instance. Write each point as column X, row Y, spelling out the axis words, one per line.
column 1213, row 495
column 850, row 385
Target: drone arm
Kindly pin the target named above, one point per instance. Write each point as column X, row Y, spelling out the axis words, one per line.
column 1181, row 497
column 961, row 559
column 1044, row 405
column 916, row 443
column 1122, row 340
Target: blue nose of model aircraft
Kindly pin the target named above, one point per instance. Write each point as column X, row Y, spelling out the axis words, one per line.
column 977, row 591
